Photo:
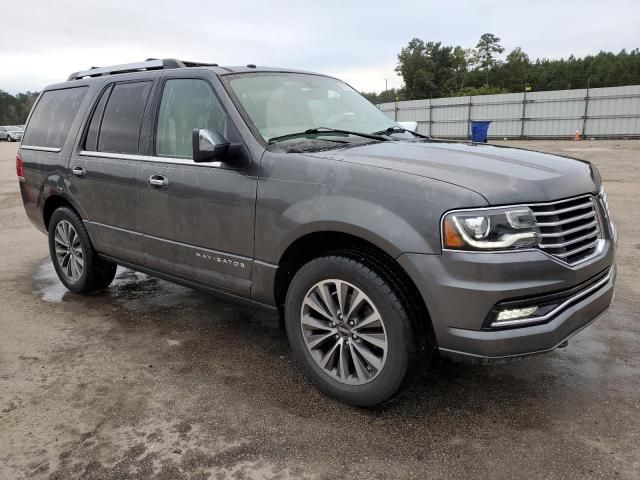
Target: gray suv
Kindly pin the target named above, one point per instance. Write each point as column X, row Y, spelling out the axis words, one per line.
column 380, row 247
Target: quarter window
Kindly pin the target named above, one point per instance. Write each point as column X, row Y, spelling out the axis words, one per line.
column 186, row 104
column 52, row 117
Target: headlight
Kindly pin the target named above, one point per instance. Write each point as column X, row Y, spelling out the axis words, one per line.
column 603, row 196
column 490, row 229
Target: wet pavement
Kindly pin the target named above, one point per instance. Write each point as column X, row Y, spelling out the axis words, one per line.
column 153, row 380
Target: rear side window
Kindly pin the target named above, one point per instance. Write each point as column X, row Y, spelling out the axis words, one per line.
column 52, row 117
column 121, row 118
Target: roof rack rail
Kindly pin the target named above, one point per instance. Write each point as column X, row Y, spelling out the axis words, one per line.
column 149, row 64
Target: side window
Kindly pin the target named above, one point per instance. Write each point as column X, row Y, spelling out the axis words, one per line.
column 186, row 104
column 122, row 118
column 91, row 142
column 52, row 117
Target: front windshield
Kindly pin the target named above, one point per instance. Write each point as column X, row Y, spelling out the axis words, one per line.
column 286, row 103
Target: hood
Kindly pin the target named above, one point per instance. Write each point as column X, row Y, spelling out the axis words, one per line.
column 502, row 175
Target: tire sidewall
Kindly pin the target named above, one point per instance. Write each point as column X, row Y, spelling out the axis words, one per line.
column 393, row 373
column 87, row 250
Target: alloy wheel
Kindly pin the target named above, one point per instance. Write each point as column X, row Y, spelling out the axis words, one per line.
column 68, row 249
column 344, row 332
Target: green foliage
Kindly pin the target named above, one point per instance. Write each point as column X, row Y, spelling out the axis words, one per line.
column 481, row 90
column 484, row 56
column 385, row 96
column 15, row 109
column 432, row 70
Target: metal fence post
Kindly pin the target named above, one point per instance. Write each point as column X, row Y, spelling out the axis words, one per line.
column 430, row 118
column 586, row 110
column 395, row 112
column 469, row 120
column 524, row 110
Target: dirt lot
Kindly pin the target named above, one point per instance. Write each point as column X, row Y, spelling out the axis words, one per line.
column 152, row 380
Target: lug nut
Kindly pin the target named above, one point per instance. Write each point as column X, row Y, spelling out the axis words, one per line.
column 337, row 336
column 346, row 343
column 351, row 322
column 354, row 336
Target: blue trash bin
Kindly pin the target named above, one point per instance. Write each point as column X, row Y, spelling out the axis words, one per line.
column 479, row 131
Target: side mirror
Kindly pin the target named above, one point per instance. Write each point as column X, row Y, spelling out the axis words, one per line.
column 208, row 145
column 411, row 126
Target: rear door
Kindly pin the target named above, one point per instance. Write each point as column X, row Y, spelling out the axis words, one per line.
column 199, row 223
column 105, row 169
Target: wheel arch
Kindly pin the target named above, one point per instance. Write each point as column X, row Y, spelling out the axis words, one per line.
column 319, row 243
column 51, row 204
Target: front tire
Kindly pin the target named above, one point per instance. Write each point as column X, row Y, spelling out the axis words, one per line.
column 77, row 264
column 349, row 329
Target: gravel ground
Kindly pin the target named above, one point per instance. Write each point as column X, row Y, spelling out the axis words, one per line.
column 153, row 380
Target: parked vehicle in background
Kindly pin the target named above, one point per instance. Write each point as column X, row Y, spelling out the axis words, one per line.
column 11, row 134
column 378, row 245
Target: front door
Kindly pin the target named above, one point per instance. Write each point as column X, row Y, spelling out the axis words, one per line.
column 197, row 219
column 105, row 170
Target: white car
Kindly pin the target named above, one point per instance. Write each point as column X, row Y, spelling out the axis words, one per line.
column 11, row 134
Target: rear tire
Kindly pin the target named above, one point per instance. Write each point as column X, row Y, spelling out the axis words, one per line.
column 341, row 349
column 77, row 264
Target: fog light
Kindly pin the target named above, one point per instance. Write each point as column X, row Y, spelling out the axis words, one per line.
column 515, row 313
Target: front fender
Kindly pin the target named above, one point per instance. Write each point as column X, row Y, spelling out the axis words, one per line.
column 396, row 211
column 372, row 222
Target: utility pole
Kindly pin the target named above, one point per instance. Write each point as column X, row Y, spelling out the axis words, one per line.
column 386, row 88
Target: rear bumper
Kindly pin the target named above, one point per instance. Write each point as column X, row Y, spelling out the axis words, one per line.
column 460, row 289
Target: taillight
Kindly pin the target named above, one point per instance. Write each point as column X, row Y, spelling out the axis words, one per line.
column 19, row 167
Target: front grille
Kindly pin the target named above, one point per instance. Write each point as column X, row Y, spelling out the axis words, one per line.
column 570, row 229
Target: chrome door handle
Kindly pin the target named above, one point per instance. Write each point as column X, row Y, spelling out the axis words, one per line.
column 79, row 171
column 158, row 181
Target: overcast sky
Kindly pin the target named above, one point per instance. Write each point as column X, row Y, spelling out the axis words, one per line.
column 42, row 41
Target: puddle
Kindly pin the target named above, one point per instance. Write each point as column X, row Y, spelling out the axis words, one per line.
column 47, row 284
column 130, row 289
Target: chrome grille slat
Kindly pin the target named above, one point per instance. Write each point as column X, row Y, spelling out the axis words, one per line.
column 593, row 234
column 568, row 220
column 570, row 229
column 566, row 210
column 577, row 250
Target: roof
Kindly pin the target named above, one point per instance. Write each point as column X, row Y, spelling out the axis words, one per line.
column 153, row 64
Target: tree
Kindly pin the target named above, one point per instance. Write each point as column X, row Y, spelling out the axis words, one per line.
column 14, row 110
column 385, row 96
column 516, row 70
column 416, row 69
column 432, row 70
column 485, row 53
column 460, row 62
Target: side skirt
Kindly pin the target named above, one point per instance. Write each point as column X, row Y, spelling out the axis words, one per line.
column 191, row 284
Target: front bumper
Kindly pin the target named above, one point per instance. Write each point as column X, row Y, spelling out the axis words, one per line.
column 461, row 288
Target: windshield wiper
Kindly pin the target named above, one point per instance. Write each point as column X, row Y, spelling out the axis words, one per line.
column 326, row 130
column 397, row 129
